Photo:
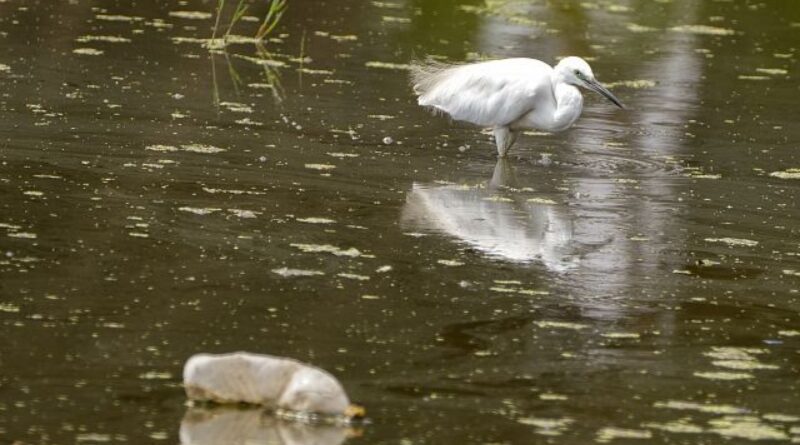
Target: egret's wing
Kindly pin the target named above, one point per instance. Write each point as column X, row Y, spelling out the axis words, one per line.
column 493, row 93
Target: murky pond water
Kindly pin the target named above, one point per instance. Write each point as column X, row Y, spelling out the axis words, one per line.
column 636, row 278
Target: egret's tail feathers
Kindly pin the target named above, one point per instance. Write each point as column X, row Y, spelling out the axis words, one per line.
column 426, row 75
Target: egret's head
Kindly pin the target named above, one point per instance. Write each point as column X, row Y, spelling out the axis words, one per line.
column 575, row 71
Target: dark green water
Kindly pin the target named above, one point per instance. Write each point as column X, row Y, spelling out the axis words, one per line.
column 637, row 275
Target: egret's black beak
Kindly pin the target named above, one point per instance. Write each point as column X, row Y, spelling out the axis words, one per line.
column 595, row 86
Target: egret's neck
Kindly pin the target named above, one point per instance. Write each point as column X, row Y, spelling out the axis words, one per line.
column 569, row 103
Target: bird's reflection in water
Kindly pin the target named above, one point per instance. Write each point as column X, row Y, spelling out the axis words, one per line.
column 495, row 219
column 232, row 426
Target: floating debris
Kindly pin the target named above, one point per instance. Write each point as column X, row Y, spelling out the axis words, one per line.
column 270, row 381
column 4, row 68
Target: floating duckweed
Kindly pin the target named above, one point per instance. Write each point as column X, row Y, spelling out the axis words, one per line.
column 118, row 18
column 237, row 107
column 93, row 437
column 191, row 15
column 733, row 241
column 287, row 272
column 608, row 434
column 232, row 191
column 778, row 417
column 24, row 235
column 743, row 364
column 552, row 396
column 8, row 307
column 343, row 155
column 199, row 210
column 792, row 173
column 636, row 84
column 676, row 426
column 621, row 335
column 547, row 427
column 388, row 65
column 327, row 248
column 734, row 353
column 772, row 71
column 352, row 276
column 750, row 77
column 498, row 198
column 633, row 27
column 316, row 220
column 745, row 427
column 87, row 51
column 247, row 214
column 344, row 38
column 322, row 167
column 109, row 39
column 202, row 148
column 560, row 325
column 722, row 375
column 545, row 201
column 162, row 148
column 703, row 29
column 451, row 263
column 156, row 375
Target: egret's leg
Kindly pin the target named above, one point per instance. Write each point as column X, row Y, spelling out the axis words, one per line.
column 504, row 138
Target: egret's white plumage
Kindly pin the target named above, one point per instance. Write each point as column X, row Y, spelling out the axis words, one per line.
column 508, row 95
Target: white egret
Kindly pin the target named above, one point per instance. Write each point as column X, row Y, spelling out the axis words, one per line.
column 508, row 95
